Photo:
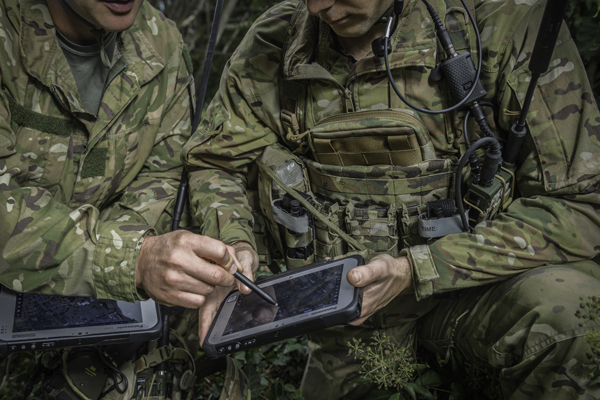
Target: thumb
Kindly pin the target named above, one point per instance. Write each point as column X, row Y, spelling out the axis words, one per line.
column 359, row 277
column 365, row 275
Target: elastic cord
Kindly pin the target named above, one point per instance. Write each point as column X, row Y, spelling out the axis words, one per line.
column 460, row 103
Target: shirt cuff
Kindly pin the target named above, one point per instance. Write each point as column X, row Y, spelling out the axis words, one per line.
column 225, row 225
column 114, row 266
column 425, row 274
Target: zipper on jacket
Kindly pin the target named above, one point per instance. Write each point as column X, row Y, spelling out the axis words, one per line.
column 349, row 102
column 57, row 97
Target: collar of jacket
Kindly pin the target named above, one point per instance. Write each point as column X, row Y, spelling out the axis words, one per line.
column 309, row 43
column 44, row 60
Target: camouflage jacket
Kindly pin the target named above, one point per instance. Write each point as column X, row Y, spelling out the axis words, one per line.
column 79, row 192
column 555, row 220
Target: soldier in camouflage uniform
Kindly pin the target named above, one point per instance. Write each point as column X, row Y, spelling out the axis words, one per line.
column 304, row 78
column 89, row 156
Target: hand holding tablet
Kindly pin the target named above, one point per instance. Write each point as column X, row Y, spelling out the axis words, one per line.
column 309, row 298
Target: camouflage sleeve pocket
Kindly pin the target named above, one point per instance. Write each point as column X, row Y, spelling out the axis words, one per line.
column 563, row 121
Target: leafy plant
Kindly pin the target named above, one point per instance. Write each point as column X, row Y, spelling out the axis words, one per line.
column 383, row 363
column 274, row 371
column 391, row 366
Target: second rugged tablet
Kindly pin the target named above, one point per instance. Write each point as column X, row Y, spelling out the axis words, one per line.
column 309, row 298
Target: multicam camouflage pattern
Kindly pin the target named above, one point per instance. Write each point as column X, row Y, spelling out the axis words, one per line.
column 554, row 222
column 236, row 386
column 79, row 192
column 517, row 330
column 560, row 166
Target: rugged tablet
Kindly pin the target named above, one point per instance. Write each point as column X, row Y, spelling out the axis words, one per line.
column 40, row 322
column 309, row 298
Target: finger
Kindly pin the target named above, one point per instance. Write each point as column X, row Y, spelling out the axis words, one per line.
column 212, row 249
column 211, row 274
column 234, row 260
column 206, row 315
column 246, row 259
column 359, row 321
column 183, row 299
column 208, row 312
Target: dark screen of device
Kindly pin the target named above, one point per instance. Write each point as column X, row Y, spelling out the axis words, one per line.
column 295, row 296
column 36, row 312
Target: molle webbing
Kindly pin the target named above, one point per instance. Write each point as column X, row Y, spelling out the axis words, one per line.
column 368, row 150
column 22, row 116
column 382, row 184
column 309, row 206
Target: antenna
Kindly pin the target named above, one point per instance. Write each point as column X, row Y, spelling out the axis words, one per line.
column 554, row 13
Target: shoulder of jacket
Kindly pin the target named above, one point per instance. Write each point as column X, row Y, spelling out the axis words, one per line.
column 501, row 22
column 275, row 21
column 10, row 15
column 159, row 31
column 505, row 15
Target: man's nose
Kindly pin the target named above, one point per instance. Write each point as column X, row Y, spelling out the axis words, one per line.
column 316, row 6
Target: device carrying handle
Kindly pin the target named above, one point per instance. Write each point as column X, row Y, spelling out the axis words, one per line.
column 212, row 42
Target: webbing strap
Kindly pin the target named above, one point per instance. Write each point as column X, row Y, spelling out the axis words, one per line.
column 352, row 242
column 154, row 358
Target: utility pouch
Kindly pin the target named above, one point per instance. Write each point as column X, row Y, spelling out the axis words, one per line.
column 278, row 163
column 296, row 227
column 408, row 225
column 373, row 226
column 374, row 137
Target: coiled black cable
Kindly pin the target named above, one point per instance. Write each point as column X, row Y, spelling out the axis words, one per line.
column 477, row 74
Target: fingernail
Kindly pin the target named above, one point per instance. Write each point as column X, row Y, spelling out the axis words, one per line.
column 233, row 268
column 357, row 276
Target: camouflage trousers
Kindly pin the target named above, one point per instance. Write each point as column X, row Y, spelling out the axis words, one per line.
column 524, row 329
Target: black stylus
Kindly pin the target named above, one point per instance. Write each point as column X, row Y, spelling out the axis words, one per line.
column 254, row 287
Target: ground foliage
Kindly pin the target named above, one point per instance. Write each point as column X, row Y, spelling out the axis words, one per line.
column 275, row 371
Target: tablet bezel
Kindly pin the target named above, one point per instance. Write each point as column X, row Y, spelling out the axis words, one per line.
column 148, row 328
column 346, row 297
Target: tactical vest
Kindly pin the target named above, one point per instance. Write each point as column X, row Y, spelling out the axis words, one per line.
column 355, row 182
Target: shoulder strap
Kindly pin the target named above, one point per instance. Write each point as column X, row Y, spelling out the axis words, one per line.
column 462, row 32
column 292, row 95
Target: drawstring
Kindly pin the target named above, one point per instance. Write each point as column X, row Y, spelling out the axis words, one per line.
column 100, row 36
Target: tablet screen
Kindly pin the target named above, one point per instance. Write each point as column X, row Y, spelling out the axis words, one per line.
column 296, row 296
column 37, row 312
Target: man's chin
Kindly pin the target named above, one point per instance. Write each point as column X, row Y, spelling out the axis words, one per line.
column 348, row 32
column 118, row 26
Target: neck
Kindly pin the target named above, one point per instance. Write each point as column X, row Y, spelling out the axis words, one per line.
column 70, row 24
column 359, row 47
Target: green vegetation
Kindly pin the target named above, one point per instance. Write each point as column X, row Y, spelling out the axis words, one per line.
column 275, row 371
